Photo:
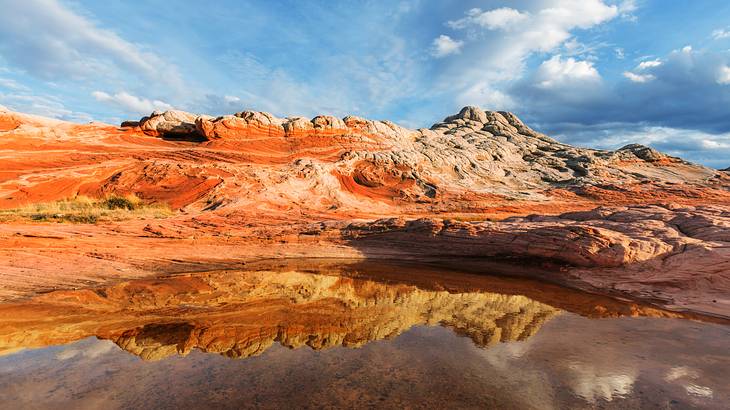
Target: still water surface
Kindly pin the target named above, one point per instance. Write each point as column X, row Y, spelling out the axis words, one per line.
column 349, row 335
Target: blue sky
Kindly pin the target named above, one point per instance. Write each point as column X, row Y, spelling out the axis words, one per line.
column 599, row 73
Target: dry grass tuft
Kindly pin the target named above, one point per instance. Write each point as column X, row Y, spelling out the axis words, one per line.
column 82, row 209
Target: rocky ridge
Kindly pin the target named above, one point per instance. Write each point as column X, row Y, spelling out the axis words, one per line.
column 478, row 151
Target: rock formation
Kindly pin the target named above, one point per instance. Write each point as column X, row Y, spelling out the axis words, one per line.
column 475, row 151
column 633, row 221
column 472, row 162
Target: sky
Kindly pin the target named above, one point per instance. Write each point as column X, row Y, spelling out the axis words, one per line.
column 593, row 73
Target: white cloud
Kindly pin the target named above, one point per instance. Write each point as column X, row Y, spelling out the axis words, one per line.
column 557, row 72
column 573, row 47
column 51, row 41
column 627, row 6
column 11, row 84
column 712, row 149
column 626, row 9
column 488, row 97
column 502, row 18
column 724, row 75
column 131, row 103
column 721, row 34
column 638, row 78
column 444, row 45
column 640, row 74
column 568, row 14
column 499, row 56
column 543, row 29
column 649, row 64
column 43, row 105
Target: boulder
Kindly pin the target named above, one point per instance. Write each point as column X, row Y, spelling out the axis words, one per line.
column 169, row 123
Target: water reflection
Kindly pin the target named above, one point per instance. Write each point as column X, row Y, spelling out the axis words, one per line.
column 373, row 336
column 240, row 314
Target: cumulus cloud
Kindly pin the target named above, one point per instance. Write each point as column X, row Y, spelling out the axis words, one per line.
column 52, row 42
column 560, row 83
column 545, row 28
column 680, row 100
column 638, row 78
column 501, row 40
column 489, row 98
column 557, row 72
column 130, row 103
column 444, row 45
column 679, row 104
column 648, row 64
column 709, row 148
column 501, row 18
column 639, row 74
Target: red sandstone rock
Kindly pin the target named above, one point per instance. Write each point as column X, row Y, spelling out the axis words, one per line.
column 251, row 185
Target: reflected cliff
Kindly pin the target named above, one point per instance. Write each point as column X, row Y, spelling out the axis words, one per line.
column 319, row 304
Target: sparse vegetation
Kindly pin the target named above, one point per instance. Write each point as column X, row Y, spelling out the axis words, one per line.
column 473, row 218
column 85, row 210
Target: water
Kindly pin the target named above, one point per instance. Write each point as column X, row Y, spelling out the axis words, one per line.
column 349, row 335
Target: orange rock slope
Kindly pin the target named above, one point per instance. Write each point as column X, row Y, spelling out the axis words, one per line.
column 251, row 185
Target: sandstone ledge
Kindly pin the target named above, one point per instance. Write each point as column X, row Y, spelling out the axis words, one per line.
column 675, row 256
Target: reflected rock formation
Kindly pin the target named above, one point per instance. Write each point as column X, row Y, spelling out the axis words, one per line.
column 241, row 314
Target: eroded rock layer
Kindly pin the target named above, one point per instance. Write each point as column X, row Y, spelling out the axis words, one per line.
column 252, row 162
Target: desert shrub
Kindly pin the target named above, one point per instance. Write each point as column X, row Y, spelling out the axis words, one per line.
column 121, row 202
